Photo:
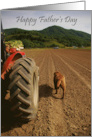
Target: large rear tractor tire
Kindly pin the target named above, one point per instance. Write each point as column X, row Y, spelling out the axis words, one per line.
column 23, row 89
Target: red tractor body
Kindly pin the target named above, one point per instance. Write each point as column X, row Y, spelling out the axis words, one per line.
column 12, row 50
column 10, row 61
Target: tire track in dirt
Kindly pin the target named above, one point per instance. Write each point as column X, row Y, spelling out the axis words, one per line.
column 81, row 77
column 50, row 104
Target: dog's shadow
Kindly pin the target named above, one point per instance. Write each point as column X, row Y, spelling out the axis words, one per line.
column 47, row 91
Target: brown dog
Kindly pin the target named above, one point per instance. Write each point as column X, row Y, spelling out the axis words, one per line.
column 59, row 81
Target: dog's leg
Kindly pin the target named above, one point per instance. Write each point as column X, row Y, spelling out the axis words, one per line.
column 56, row 91
column 63, row 93
column 63, row 85
column 55, row 85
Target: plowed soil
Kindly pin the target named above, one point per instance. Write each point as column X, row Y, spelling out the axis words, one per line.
column 70, row 116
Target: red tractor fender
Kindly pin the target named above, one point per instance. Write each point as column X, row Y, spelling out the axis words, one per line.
column 10, row 62
column 12, row 50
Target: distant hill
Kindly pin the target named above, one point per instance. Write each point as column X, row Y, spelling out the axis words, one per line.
column 59, row 31
column 50, row 37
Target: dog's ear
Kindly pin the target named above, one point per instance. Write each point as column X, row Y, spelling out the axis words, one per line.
column 55, row 73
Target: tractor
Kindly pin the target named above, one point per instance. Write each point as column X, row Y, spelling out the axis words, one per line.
column 19, row 82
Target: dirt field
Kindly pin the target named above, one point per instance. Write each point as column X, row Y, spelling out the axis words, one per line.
column 70, row 116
